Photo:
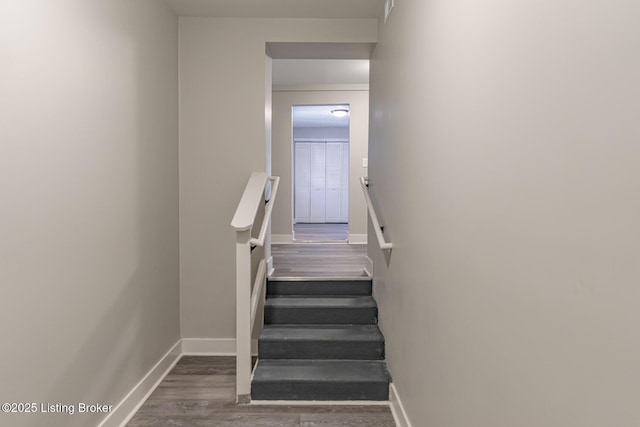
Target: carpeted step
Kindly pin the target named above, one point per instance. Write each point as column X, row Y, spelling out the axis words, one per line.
column 321, row 310
column 285, row 379
column 293, row 286
column 353, row 342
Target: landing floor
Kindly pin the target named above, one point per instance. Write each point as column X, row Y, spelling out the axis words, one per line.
column 200, row 391
column 319, row 260
column 304, row 233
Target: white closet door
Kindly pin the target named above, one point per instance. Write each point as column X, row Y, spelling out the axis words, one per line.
column 317, row 208
column 344, row 183
column 333, row 163
column 302, row 181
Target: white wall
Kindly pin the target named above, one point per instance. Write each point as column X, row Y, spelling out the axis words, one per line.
column 89, row 205
column 283, row 101
column 505, row 162
column 222, row 139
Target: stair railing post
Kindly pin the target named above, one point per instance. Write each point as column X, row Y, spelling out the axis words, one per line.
column 243, row 316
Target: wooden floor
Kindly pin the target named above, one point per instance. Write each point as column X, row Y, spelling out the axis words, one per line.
column 320, row 232
column 319, row 260
column 200, row 391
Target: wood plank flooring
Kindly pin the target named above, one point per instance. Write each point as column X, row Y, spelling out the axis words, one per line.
column 319, row 260
column 320, row 232
column 200, row 391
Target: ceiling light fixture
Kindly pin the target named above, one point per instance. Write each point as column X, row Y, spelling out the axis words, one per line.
column 340, row 112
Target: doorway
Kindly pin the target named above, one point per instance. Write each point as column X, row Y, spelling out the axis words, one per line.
column 321, row 173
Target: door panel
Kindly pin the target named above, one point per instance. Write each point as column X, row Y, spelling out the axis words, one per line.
column 317, row 208
column 333, row 162
column 302, row 181
column 344, row 177
column 321, row 182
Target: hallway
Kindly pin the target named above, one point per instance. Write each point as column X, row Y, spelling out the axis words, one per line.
column 499, row 142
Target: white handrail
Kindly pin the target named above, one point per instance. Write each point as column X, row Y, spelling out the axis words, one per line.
column 250, row 202
column 247, row 302
column 374, row 218
column 258, row 286
column 267, row 213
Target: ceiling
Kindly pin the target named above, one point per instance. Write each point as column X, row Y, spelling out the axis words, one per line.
column 318, row 116
column 328, row 9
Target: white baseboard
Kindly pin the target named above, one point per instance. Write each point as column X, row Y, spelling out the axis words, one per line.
column 368, row 266
column 280, row 239
column 397, row 408
column 128, row 406
column 357, row 239
column 284, row 239
column 213, row 347
column 270, row 269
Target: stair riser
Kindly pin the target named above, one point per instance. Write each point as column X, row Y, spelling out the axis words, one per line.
column 320, row 343
column 283, row 349
column 316, row 316
column 319, row 288
column 320, row 391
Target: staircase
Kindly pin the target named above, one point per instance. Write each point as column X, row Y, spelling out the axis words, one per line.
column 320, row 342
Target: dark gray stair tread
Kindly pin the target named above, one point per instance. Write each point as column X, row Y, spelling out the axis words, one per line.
column 294, row 379
column 321, row 341
column 320, row 310
column 321, row 371
column 321, row 302
column 346, row 333
column 366, row 350
column 319, row 286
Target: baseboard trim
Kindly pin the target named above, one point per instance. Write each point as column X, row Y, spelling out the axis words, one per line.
column 213, row 347
column 281, row 239
column 397, row 408
column 285, row 239
column 129, row 405
column 357, row 239
column 368, row 266
column 270, row 269
column 127, row 408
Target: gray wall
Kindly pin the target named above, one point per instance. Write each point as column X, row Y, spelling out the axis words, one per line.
column 89, row 204
column 283, row 101
column 222, row 140
column 505, row 163
column 318, row 132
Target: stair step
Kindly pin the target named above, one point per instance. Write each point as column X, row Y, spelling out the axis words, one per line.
column 321, row 310
column 353, row 342
column 294, row 286
column 285, row 379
